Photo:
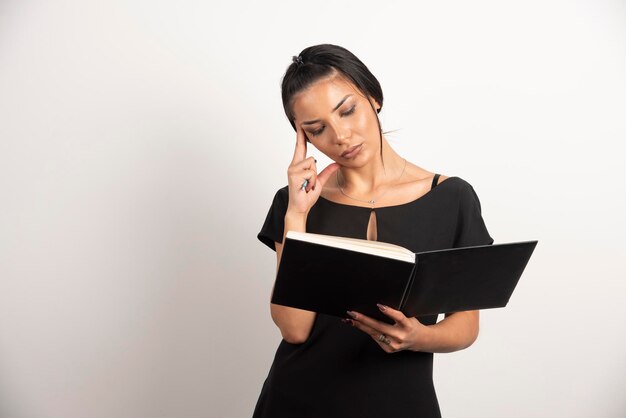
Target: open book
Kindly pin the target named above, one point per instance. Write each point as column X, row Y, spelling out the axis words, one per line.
column 329, row 274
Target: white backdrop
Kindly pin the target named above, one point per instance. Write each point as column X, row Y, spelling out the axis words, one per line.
column 141, row 143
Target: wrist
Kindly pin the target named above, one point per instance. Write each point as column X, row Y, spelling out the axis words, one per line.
column 295, row 221
column 424, row 342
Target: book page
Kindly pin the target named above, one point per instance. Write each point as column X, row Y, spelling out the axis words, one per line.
column 382, row 249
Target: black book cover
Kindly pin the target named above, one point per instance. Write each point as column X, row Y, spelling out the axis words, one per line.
column 331, row 280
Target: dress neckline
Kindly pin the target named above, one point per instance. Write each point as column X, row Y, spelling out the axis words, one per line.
column 392, row 206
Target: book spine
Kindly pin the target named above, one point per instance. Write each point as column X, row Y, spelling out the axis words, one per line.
column 409, row 285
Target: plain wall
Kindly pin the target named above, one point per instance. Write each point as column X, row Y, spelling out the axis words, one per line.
column 141, row 143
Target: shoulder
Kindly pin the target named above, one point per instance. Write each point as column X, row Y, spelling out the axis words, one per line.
column 283, row 193
column 454, row 182
column 426, row 179
column 459, row 183
column 460, row 187
column 466, row 195
column 281, row 198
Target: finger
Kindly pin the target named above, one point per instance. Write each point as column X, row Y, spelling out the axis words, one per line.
column 303, row 166
column 373, row 332
column 325, row 174
column 308, row 164
column 394, row 314
column 378, row 326
column 299, row 153
column 308, row 170
column 312, row 180
column 385, row 342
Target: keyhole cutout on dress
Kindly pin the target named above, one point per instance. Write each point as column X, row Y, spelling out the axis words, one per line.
column 372, row 227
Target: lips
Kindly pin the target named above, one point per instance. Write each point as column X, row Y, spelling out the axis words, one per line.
column 349, row 151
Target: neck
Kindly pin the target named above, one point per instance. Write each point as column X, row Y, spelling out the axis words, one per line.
column 367, row 180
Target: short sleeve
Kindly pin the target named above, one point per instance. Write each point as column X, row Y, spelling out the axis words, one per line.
column 274, row 225
column 471, row 228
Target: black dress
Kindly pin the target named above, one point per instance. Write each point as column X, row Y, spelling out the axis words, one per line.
column 340, row 371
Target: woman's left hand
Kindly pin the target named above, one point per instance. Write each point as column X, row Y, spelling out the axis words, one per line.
column 405, row 334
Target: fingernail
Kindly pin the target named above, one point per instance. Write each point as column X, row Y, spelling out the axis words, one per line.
column 352, row 314
column 381, row 307
column 346, row 321
column 314, row 160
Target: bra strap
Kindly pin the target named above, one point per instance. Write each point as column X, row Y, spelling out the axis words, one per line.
column 432, row 186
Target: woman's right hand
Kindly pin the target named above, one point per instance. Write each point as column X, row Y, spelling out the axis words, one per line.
column 302, row 168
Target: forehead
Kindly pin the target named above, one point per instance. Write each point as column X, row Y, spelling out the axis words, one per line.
column 322, row 96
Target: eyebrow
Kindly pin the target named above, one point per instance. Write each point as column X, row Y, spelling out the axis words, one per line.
column 311, row 122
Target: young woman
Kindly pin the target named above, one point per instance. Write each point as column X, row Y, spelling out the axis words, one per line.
column 357, row 366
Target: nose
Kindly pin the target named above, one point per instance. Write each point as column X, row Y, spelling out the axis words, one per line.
column 342, row 132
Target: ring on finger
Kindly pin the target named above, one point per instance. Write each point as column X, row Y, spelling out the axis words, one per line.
column 383, row 338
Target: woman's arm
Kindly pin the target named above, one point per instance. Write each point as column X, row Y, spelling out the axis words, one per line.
column 295, row 324
column 456, row 331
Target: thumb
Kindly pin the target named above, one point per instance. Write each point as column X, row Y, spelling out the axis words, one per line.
column 325, row 174
column 396, row 315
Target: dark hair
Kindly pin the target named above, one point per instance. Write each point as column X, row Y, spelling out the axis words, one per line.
column 321, row 61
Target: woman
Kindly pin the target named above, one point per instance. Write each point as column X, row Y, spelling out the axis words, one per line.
column 357, row 366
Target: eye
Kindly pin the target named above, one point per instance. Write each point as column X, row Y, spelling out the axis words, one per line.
column 346, row 113
column 349, row 112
